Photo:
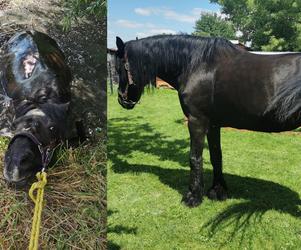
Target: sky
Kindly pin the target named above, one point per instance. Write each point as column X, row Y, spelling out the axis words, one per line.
column 129, row 19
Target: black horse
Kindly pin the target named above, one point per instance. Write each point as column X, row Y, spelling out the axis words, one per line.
column 35, row 89
column 219, row 85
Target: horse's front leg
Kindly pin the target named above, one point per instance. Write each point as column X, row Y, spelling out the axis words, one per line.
column 197, row 130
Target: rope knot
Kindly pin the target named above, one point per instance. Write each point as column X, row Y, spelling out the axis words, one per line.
column 40, row 184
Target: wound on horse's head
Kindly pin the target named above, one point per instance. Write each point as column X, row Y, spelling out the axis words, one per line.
column 29, row 64
column 40, row 93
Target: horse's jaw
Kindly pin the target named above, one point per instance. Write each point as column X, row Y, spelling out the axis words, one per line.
column 126, row 104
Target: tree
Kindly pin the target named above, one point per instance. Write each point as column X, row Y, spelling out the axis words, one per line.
column 213, row 25
column 269, row 24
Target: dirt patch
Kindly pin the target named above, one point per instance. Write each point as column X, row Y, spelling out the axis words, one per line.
column 3, row 5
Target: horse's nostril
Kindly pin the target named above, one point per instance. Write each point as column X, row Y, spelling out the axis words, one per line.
column 25, row 159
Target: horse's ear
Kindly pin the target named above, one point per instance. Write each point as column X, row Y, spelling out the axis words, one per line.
column 120, row 47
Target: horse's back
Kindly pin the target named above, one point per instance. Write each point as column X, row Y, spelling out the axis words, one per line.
column 245, row 87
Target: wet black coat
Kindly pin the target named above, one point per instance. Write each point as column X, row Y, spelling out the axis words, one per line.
column 48, row 82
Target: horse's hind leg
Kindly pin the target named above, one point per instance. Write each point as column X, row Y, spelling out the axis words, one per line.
column 219, row 189
column 197, row 129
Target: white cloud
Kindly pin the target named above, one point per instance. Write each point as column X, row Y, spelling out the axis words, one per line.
column 128, row 24
column 170, row 14
column 162, row 31
column 199, row 11
column 110, row 32
column 155, row 31
column 143, row 11
column 147, row 29
column 150, row 25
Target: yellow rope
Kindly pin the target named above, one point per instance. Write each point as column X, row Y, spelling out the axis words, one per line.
column 38, row 200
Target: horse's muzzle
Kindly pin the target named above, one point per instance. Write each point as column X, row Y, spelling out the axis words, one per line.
column 12, row 182
column 18, row 184
column 127, row 104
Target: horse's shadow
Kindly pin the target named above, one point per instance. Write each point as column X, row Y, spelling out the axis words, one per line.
column 118, row 229
column 258, row 196
column 144, row 138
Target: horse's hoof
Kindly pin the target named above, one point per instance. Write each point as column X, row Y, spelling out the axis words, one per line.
column 217, row 192
column 192, row 199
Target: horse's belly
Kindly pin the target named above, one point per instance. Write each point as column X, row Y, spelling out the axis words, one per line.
column 253, row 122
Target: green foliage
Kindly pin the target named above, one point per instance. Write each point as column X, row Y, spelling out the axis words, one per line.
column 80, row 8
column 213, row 25
column 269, row 24
column 274, row 44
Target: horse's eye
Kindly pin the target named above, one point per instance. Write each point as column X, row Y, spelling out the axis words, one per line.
column 36, row 124
column 42, row 99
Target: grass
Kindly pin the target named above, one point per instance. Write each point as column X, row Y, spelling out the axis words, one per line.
column 148, row 174
column 74, row 215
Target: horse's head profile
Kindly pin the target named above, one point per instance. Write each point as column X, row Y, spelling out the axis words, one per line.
column 37, row 130
column 37, row 80
column 129, row 91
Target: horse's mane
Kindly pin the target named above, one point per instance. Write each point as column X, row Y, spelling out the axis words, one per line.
column 184, row 52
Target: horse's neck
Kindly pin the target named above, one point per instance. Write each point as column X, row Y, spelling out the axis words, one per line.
column 171, row 71
column 167, row 62
column 171, row 80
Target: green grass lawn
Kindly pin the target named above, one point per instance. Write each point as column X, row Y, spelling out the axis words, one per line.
column 148, row 174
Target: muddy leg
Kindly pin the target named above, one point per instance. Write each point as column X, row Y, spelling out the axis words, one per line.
column 197, row 129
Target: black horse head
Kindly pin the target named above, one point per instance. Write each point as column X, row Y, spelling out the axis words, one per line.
column 37, row 130
column 36, row 78
column 129, row 90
